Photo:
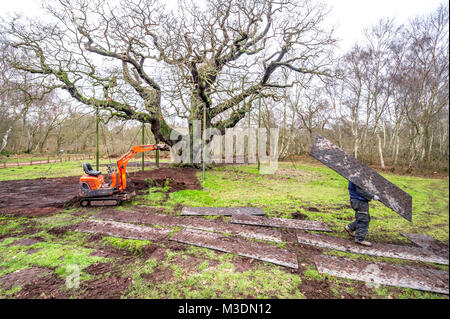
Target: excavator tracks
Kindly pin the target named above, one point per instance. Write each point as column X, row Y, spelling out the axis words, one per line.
column 113, row 200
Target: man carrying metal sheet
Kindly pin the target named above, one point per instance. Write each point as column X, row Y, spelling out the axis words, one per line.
column 359, row 200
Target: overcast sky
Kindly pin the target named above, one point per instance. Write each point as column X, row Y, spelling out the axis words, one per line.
column 351, row 16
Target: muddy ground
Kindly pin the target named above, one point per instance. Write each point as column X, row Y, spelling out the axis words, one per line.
column 111, row 280
column 37, row 197
column 178, row 178
column 44, row 196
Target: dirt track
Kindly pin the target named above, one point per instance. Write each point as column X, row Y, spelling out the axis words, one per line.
column 37, row 197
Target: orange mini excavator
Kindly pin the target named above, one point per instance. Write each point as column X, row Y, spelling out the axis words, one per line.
column 93, row 189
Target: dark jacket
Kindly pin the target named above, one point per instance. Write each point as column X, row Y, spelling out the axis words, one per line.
column 358, row 193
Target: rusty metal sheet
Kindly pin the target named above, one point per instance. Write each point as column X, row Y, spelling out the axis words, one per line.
column 429, row 243
column 123, row 230
column 363, row 176
column 146, row 218
column 280, row 222
column 239, row 230
column 380, row 250
column 238, row 246
column 224, row 211
column 151, row 218
column 425, row 279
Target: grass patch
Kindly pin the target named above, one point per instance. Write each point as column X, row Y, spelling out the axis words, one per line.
column 11, row 225
column 59, row 169
column 312, row 274
column 132, row 245
column 51, row 254
column 221, row 281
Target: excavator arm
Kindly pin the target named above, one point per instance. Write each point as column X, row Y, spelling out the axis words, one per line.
column 121, row 178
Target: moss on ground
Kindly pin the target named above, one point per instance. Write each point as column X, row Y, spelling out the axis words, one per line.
column 215, row 277
column 54, row 253
column 132, row 245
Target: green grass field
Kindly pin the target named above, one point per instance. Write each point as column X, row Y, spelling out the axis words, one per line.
column 309, row 189
column 59, row 169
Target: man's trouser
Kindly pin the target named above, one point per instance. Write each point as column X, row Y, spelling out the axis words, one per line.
column 361, row 225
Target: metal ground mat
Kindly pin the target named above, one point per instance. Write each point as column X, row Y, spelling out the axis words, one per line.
column 380, row 250
column 280, row 222
column 374, row 274
column 150, row 218
column 238, row 246
column 363, row 176
column 235, row 229
column 123, row 230
column 224, row 211
column 138, row 217
column 429, row 243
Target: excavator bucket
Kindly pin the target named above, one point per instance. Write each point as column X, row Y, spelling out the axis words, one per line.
column 350, row 168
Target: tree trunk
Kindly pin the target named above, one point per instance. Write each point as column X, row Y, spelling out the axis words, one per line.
column 397, row 147
column 45, row 138
column 380, row 149
column 430, row 148
column 356, row 140
column 5, row 139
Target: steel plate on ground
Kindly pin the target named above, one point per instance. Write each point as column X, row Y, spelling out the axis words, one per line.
column 425, row 279
column 150, row 218
column 280, row 222
column 428, row 243
column 238, row 246
column 123, row 230
column 224, row 211
column 380, row 250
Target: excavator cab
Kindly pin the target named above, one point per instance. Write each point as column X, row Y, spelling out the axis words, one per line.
column 94, row 191
column 91, row 181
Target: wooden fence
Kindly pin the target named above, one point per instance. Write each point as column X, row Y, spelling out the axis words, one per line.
column 36, row 160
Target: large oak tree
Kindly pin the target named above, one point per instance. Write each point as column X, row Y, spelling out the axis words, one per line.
column 138, row 60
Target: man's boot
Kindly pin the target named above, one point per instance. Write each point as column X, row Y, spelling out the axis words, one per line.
column 364, row 243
